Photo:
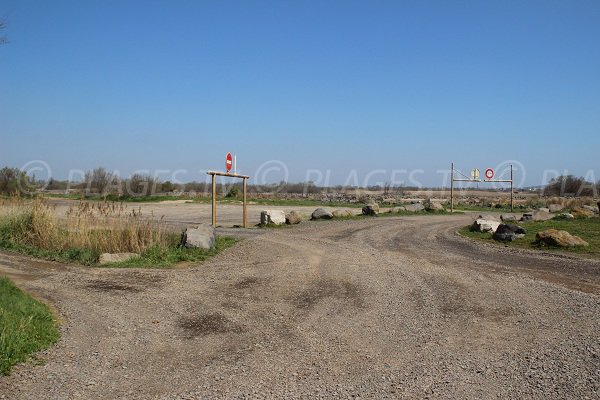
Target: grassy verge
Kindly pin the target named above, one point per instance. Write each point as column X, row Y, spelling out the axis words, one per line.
column 32, row 228
column 26, row 326
column 588, row 229
column 157, row 257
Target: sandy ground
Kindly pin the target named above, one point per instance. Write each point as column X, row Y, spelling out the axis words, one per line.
column 181, row 213
column 378, row 308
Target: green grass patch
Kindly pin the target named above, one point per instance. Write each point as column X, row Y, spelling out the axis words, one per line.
column 157, row 257
column 586, row 228
column 154, row 257
column 26, row 326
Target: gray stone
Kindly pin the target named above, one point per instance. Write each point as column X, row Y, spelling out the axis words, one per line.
column 201, row 237
column 321, row 213
column 592, row 209
column 397, row 209
column 370, row 209
column 508, row 233
column 544, row 209
column 484, row 225
column 414, row 207
column 108, row 258
column 509, row 217
column 293, row 218
column 272, row 217
column 554, row 208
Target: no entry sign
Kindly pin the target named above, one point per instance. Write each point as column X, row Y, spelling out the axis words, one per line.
column 228, row 162
column 489, row 173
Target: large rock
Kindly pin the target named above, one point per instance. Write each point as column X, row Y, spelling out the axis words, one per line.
column 321, row 213
column 544, row 209
column 508, row 233
column 201, row 237
column 108, row 258
column 434, row 206
column 293, row 218
column 554, row 208
column 272, row 217
column 556, row 238
column 484, row 225
column 342, row 213
column 414, row 207
column 580, row 212
column 398, row 209
column 370, row 209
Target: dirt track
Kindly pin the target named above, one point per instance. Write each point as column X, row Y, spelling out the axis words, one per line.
column 387, row 307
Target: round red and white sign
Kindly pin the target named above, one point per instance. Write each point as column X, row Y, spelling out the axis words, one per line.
column 489, row 173
column 228, row 162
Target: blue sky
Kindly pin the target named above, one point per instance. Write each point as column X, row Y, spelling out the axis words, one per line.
column 333, row 86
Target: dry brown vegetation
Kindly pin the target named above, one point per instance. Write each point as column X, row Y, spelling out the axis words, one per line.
column 101, row 227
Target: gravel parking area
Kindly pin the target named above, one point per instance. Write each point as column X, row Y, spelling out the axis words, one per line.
column 377, row 308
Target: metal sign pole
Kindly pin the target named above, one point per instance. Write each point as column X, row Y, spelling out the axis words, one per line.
column 512, row 205
column 452, row 189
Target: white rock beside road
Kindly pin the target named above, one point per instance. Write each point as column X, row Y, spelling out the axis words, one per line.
column 272, row 217
column 485, row 225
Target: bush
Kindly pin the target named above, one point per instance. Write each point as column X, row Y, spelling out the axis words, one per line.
column 14, row 181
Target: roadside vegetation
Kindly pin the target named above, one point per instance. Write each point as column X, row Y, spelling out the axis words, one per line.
column 26, row 326
column 31, row 226
column 586, row 228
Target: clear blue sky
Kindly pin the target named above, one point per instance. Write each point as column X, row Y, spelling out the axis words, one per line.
column 327, row 85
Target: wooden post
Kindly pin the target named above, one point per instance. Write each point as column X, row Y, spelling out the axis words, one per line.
column 512, row 205
column 452, row 189
column 214, row 200
column 245, row 208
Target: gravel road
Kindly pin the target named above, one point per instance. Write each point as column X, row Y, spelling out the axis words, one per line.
column 378, row 308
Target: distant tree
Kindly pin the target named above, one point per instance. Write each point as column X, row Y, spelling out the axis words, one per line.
column 13, row 180
column 168, row 186
column 98, row 180
column 141, row 185
column 569, row 185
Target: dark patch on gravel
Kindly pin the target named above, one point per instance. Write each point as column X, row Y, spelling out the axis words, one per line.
column 106, row 286
column 208, row 324
column 247, row 283
column 323, row 289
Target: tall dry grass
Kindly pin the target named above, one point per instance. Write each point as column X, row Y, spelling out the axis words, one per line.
column 102, row 227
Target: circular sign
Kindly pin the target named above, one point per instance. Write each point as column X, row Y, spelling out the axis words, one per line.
column 489, row 173
column 228, row 162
